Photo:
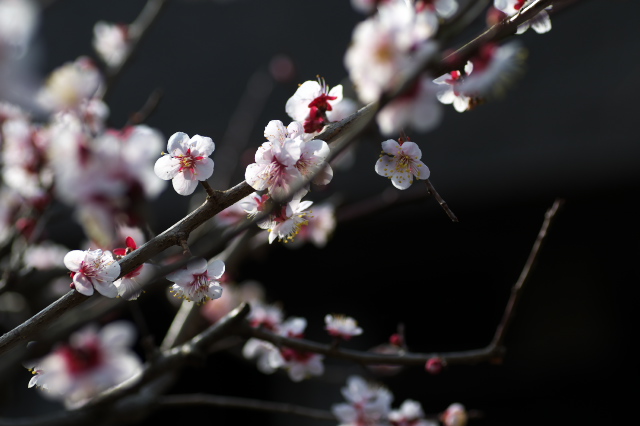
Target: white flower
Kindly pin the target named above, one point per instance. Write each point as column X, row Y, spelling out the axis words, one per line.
column 409, row 414
column 90, row 363
column 418, row 109
column 367, row 404
column 18, row 21
column 454, row 415
column 197, row 282
column 46, row 255
column 400, row 163
column 187, row 162
column 111, row 42
column 313, row 103
column 299, row 364
column 130, row 285
column 342, row 326
column 70, row 85
column 450, row 93
column 320, row 225
column 274, row 168
column 93, row 269
column 286, row 223
column 541, row 23
column 493, row 68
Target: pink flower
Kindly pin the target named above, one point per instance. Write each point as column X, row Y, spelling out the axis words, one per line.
column 90, row 363
column 401, row 163
column 197, row 282
column 342, row 326
column 187, row 162
column 93, row 269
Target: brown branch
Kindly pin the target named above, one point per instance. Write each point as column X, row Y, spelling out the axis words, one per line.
column 516, row 290
column 170, row 401
column 443, row 204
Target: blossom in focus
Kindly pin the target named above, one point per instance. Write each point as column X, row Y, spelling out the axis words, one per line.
column 367, row 404
column 187, row 162
column 400, row 162
column 541, row 23
column 275, row 167
column 342, row 326
column 418, row 108
column 286, row 222
column 89, row 364
column 313, row 103
column 130, row 285
column 449, row 92
column 70, row 85
column 409, row 414
column 454, row 415
column 93, row 269
column 110, row 42
column 198, row 281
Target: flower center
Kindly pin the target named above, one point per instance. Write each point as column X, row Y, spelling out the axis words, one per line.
column 188, row 161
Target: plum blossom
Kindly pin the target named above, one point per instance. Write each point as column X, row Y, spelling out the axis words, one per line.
column 450, row 93
column 70, row 85
column 299, row 364
column 320, row 225
column 367, row 404
column 409, row 414
column 287, row 222
column 541, row 23
column 388, row 44
column 443, row 8
column 46, row 255
column 198, row 281
column 90, row 363
column 418, row 109
column 314, row 105
column 111, row 42
column 400, row 162
column 342, row 326
column 93, row 269
column 187, row 162
column 493, row 68
column 130, row 285
column 454, row 415
column 18, row 21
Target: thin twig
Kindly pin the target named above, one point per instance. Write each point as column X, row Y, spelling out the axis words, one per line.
column 516, row 290
column 170, row 401
column 147, row 109
column 443, row 203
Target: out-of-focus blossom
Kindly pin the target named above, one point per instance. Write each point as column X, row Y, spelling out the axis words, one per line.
column 541, row 23
column 18, row 21
column 90, row 363
column 494, row 68
column 198, row 282
column 387, row 44
column 418, row 109
column 299, row 364
column 286, row 222
column 454, row 415
column 450, row 93
column 409, row 414
column 111, row 42
column 319, row 227
column 46, row 255
column 71, row 84
column 342, row 326
column 367, row 404
column 401, row 163
column 443, row 8
column 187, row 162
column 93, row 269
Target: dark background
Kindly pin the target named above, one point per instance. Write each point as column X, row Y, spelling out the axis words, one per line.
column 567, row 129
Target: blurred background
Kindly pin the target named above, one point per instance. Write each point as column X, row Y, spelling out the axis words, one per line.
column 567, row 128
